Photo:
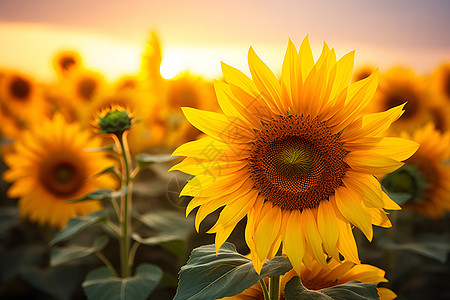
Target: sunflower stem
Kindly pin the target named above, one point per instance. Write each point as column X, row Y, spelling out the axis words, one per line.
column 274, row 288
column 106, row 261
column 264, row 289
column 125, row 206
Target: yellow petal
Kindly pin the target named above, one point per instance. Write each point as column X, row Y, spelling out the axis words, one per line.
column 372, row 124
column 328, row 228
column 266, row 82
column 218, row 126
column 306, row 60
column 349, row 204
column 386, row 294
column 312, row 236
column 395, row 148
column 235, row 77
column 294, row 243
column 268, row 230
column 343, row 70
column 388, row 203
column 346, row 242
column 367, row 185
column 289, row 75
column 379, row 217
column 209, row 149
column 370, row 163
column 197, row 166
column 232, row 106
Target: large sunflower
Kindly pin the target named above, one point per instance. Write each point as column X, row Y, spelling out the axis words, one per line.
column 425, row 175
column 296, row 156
column 440, row 96
column 319, row 278
column 50, row 167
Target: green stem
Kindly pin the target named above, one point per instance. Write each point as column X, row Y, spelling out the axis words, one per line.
column 264, row 289
column 274, row 288
column 125, row 216
column 133, row 253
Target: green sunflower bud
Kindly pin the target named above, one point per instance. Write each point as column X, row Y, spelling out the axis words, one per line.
column 115, row 122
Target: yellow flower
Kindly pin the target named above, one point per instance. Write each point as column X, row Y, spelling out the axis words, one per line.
column 440, row 96
column 296, row 156
column 20, row 101
column 426, row 174
column 65, row 62
column 50, row 167
column 319, row 278
column 400, row 85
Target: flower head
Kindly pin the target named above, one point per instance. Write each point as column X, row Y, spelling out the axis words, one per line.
column 49, row 167
column 319, row 278
column 297, row 156
column 425, row 177
column 114, row 120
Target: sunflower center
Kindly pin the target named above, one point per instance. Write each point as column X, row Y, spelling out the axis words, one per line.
column 66, row 62
column 20, row 88
column 296, row 162
column 447, row 84
column 396, row 98
column 61, row 176
column 86, row 88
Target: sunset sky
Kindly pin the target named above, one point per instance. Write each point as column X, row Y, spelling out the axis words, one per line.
column 197, row 35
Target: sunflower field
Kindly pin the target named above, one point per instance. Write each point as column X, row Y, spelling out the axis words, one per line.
column 323, row 177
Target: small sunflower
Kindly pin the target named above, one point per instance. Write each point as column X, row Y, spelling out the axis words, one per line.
column 66, row 61
column 440, row 91
column 426, row 174
column 50, row 167
column 399, row 85
column 296, row 156
column 21, row 99
column 319, row 278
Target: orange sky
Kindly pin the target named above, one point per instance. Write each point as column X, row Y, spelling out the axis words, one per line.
column 111, row 35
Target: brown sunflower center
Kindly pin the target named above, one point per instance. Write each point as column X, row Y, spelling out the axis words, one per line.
column 66, row 62
column 61, row 176
column 447, row 84
column 86, row 88
column 396, row 98
column 20, row 88
column 296, row 162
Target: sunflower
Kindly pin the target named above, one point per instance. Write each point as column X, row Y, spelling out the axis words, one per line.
column 399, row 85
column 425, row 175
column 440, row 91
column 21, row 100
column 296, row 156
column 50, row 167
column 319, row 278
column 66, row 61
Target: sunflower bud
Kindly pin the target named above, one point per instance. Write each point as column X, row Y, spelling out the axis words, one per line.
column 115, row 121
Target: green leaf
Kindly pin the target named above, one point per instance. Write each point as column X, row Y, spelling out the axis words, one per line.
column 399, row 198
column 62, row 255
column 171, row 229
column 9, row 217
column 112, row 169
column 431, row 246
column 105, row 148
column 77, row 224
column 353, row 290
column 101, row 284
column 102, row 194
column 210, row 276
column 60, row 282
column 144, row 159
